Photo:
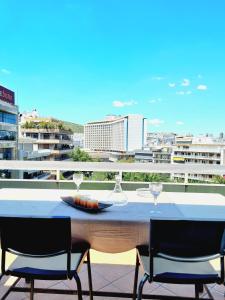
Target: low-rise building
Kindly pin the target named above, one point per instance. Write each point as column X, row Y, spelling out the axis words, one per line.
column 198, row 150
column 28, row 150
column 78, row 140
column 154, row 155
column 48, row 134
column 162, row 155
column 160, row 139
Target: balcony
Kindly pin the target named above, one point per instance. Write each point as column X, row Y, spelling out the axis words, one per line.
column 62, row 151
column 111, row 272
column 52, row 141
column 36, row 154
column 198, row 157
column 8, row 144
column 43, row 130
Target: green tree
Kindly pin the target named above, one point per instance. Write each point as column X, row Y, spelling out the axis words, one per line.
column 60, row 126
column 219, row 179
column 28, row 125
column 103, row 176
column 145, row 177
column 62, row 177
column 80, row 155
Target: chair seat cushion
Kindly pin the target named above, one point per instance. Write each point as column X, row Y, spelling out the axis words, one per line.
column 49, row 267
column 179, row 272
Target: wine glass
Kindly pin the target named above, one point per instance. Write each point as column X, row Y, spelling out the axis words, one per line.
column 78, row 178
column 155, row 189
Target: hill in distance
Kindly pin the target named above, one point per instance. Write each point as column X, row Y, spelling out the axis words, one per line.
column 76, row 128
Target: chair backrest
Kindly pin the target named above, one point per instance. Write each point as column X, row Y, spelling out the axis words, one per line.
column 187, row 238
column 33, row 236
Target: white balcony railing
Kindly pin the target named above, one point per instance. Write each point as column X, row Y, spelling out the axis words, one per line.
column 58, row 166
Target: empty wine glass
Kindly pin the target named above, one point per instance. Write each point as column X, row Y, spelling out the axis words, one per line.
column 155, row 189
column 77, row 179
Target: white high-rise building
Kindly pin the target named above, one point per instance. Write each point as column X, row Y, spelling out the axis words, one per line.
column 119, row 134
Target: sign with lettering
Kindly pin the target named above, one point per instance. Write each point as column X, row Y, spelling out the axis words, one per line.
column 7, row 95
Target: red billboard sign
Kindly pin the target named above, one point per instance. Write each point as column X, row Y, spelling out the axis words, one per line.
column 7, row 95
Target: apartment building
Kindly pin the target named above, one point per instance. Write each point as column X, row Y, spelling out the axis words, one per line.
column 78, row 140
column 28, row 150
column 116, row 134
column 154, row 155
column 198, row 150
column 8, row 126
column 160, row 139
column 47, row 134
column 162, row 155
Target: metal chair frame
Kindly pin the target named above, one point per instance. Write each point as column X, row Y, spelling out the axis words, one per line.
column 157, row 249
column 39, row 247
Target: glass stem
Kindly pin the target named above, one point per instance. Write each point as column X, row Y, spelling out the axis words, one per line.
column 78, row 188
column 155, row 200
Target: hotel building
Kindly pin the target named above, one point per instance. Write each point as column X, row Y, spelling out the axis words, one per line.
column 116, row 134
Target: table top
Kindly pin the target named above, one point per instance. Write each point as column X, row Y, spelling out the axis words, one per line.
column 117, row 228
column 44, row 202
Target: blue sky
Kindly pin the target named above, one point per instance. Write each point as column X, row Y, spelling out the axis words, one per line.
column 80, row 60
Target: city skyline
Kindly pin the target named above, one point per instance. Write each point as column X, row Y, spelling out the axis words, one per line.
column 82, row 60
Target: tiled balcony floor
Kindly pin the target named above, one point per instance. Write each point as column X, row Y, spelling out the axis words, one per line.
column 110, row 273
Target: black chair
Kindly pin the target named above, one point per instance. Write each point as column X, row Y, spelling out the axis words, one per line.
column 180, row 252
column 44, row 251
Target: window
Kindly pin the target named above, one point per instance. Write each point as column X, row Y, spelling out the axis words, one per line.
column 8, row 118
column 7, row 135
column 6, row 154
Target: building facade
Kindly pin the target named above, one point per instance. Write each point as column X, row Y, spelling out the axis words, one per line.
column 198, row 150
column 47, row 134
column 78, row 140
column 8, row 125
column 155, row 155
column 160, row 139
column 116, row 134
column 28, row 150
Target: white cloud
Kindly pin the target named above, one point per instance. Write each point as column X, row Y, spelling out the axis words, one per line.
column 156, row 122
column 5, row 71
column 172, row 84
column 188, row 92
column 157, row 100
column 180, row 123
column 181, row 93
column 185, row 82
column 202, row 87
column 118, row 103
column 157, row 78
